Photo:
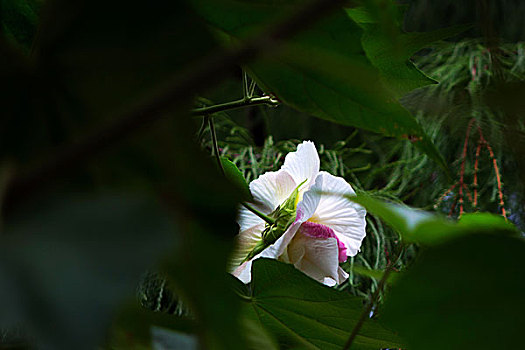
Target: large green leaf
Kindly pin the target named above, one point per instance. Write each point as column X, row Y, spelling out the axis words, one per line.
column 390, row 49
column 323, row 71
column 465, row 294
column 302, row 312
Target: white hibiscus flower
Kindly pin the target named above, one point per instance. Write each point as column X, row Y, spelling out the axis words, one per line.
column 324, row 231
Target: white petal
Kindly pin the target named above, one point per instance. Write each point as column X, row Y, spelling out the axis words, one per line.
column 269, row 190
column 310, row 201
column 247, row 219
column 272, row 188
column 244, row 243
column 318, row 258
column 345, row 217
column 343, row 276
column 278, row 248
column 302, row 164
column 244, row 272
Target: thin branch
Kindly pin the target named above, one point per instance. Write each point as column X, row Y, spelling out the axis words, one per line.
column 476, row 169
column 215, row 145
column 180, row 89
column 462, row 171
column 245, row 93
column 375, row 297
column 254, row 101
column 496, row 171
column 202, row 129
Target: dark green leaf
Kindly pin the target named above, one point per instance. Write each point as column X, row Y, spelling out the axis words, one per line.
column 169, row 339
column 66, row 266
column 133, row 327
column 236, row 177
column 109, row 54
column 389, row 49
column 207, row 207
column 465, row 294
column 18, row 20
column 302, row 312
column 375, row 274
column 323, row 71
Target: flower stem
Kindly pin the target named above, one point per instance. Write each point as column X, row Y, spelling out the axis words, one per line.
column 245, row 102
column 373, row 300
column 263, row 216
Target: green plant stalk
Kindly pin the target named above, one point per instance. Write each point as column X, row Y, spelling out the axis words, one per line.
column 263, row 216
column 245, row 102
column 366, row 312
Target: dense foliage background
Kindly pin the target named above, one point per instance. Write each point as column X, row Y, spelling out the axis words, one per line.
column 117, row 222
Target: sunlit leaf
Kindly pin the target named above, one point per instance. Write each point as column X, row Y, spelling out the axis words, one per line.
column 302, row 312
column 418, row 226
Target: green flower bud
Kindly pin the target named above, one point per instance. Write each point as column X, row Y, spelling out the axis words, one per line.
column 284, row 216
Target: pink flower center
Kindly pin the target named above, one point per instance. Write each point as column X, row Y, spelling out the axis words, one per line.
column 320, row 231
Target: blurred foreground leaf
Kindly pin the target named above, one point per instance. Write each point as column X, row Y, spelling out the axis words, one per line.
column 302, row 312
column 109, row 54
column 134, row 327
column 465, row 294
column 91, row 61
column 66, row 266
column 18, row 21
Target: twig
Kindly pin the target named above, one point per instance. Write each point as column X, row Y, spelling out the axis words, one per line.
column 476, row 169
column 215, row 145
column 366, row 312
column 181, row 88
column 245, row 102
column 496, row 171
column 453, row 207
column 462, row 171
column 202, row 129
column 440, row 199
